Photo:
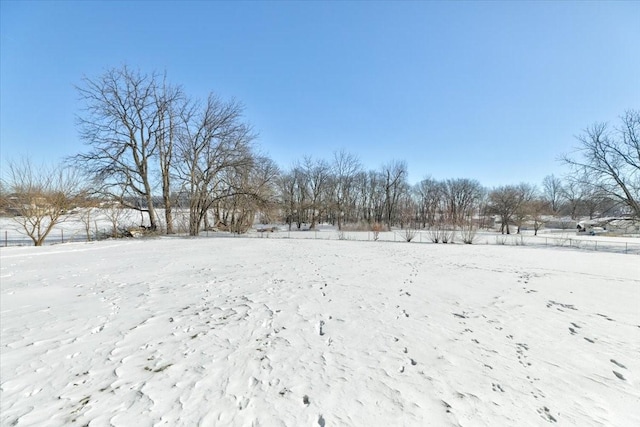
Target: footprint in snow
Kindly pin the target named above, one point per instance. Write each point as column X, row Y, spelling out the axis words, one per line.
column 546, row 414
column 618, row 364
column 619, row 375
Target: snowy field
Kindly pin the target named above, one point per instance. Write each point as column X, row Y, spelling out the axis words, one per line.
column 293, row 332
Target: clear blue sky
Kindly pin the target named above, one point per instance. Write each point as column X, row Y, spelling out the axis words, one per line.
column 493, row 91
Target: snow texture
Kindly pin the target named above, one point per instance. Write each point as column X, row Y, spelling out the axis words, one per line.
column 270, row 332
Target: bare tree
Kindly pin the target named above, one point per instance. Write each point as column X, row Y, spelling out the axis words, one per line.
column 430, row 194
column 287, row 191
column 250, row 190
column 345, row 169
column 536, row 208
column 526, row 194
column 214, row 150
column 120, row 124
column 552, row 192
column 610, row 158
column 41, row 197
column 370, row 196
column 171, row 104
column 462, row 197
column 592, row 201
column 317, row 174
column 394, row 180
column 506, row 201
column 572, row 193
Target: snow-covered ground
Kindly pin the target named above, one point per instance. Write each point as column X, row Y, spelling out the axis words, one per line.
column 291, row 332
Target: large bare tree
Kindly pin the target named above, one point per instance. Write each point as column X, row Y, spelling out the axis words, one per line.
column 214, row 150
column 610, row 158
column 41, row 197
column 171, row 104
column 120, row 123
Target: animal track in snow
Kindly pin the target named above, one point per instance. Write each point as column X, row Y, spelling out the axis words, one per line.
column 619, row 375
column 618, row 364
column 522, row 357
column 552, row 303
column 546, row 414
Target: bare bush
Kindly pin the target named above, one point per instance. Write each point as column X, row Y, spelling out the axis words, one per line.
column 115, row 213
column 41, row 197
column 468, row 233
column 435, row 234
column 409, row 234
column 448, row 235
column 441, row 233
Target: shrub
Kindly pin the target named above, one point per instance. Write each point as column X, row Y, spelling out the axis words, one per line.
column 409, row 234
column 468, row 234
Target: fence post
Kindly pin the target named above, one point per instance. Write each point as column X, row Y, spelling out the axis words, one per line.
column 626, row 247
column 6, row 240
column 62, row 236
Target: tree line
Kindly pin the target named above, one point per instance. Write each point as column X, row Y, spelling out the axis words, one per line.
column 151, row 147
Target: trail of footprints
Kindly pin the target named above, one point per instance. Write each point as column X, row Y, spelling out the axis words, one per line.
column 404, row 314
column 575, row 329
column 521, row 348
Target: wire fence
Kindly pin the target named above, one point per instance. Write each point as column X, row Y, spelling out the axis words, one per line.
column 56, row 237
column 587, row 243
